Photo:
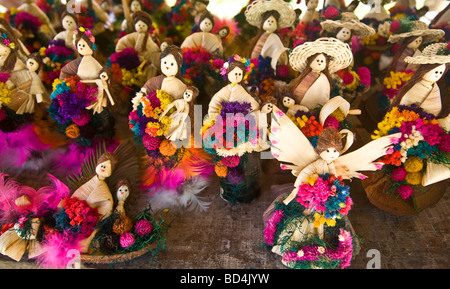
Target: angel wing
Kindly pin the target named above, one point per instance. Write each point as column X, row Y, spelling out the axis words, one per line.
column 364, row 159
column 289, row 144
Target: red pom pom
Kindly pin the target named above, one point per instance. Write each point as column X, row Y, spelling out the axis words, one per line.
column 331, row 13
column 348, row 78
column 444, row 143
column 283, row 70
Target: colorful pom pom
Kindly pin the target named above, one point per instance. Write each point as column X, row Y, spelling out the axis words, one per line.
column 143, row 228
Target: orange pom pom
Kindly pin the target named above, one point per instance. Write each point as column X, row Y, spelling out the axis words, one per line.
column 221, row 171
column 167, row 148
column 122, row 225
column 73, row 131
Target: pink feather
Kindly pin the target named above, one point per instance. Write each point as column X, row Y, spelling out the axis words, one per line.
column 50, row 196
column 16, row 147
column 58, row 250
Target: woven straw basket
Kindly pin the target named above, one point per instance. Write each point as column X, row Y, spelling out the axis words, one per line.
column 377, row 187
column 115, row 258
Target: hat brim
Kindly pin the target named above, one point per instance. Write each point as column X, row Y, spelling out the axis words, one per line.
column 428, row 35
column 340, row 53
column 357, row 28
column 255, row 10
column 429, row 55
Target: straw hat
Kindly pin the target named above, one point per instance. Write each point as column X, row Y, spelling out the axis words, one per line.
column 417, row 28
column 437, row 53
column 256, row 9
column 340, row 53
column 350, row 21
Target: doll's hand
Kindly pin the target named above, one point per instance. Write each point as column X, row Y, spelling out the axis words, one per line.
column 39, row 98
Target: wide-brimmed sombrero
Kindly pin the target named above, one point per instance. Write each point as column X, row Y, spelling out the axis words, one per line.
column 437, row 53
column 256, row 9
column 340, row 53
column 350, row 21
column 415, row 28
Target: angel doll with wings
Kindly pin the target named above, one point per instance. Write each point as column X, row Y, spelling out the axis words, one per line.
column 319, row 195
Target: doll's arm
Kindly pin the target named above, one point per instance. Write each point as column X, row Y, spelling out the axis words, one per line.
column 169, row 107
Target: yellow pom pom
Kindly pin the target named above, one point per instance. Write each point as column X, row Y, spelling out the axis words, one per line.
column 414, row 178
column 413, row 164
column 338, row 114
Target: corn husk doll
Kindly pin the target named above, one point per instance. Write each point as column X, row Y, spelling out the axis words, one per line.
column 410, row 35
column 24, row 83
column 417, row 168
column 178, row 126
column 316, row 61
column 307, row 218
column 270, row 16
column 30, row 7
column 24, row 207
column 142, row 42
column 204, row 38
column 69, row 23
column 178, row 171
column 233, row 100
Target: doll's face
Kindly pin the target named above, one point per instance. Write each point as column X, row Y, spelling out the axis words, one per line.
column 319, row 63
column 223, row 33
column 141, row 27
column 122, row 193
column 104, row 170
column 104, row 76
column 199, row 6
column 4, row 50
column 169, row 65
column 435, row 74
column 344, row 34
column 236, row 75
column 312, row 4
column 69, row 23
column 188, row 95
column 416, row 43
column 267, row 108
column 288, row 102
column 83, row 48
column 270, row 25
column 206, row 25
column 164, row 46
column 329, row 155
column 135, row 6
column 32, row 64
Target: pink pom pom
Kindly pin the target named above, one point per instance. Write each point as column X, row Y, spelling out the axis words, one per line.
column 331, row 122
column 405, row 191
column 364, row 76
column 143, row 228
column 126, row 240
column 151, row 143
column 395, row 26
column 331, row 13
column 231, row 161
column 83, row 119
column 398, row 174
